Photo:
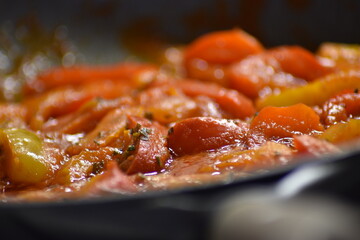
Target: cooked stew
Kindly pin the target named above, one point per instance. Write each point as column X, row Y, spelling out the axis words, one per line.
column 221, row 108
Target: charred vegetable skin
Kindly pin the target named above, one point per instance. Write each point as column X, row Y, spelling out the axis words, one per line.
column 232, row 108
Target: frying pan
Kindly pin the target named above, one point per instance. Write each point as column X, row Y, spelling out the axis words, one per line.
column 102, row 31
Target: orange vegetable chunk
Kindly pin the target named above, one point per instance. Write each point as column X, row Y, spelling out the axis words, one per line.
column 299, row 62
column 341, row 107
column 280, row 122
column 207, row 57
column 125, row 72
column 195, row 135
column 65, row 100
column 113, row 180
column 273, row 70
column 148, row 152
column 311, row 146
column 223, row 47
column 260, row 75
column 233, row 102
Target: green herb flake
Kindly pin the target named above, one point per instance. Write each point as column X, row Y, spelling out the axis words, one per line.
column 158, row 160
column 117, row 151
column 135, row 129
column 141, row 176
column 100, row 134
column 136, row 135
column 131, row 148
column 98, row 167
column 171, row 130
column 144, row 133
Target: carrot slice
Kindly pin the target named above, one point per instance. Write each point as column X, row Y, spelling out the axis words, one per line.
column 87, row 117
column 341, row 107
column 260, row 75
column 206, row 58
column 65, row 100
column 274, row 123
column 299, row 62
column 223, row 47
column 233, row 102
column 84, row 165
column 166, row 104
column 201, row 70
column 110, row 129
column 113, row 180
column 147, row 151
column 234, row 160
column 274, row 70
column 198, row 134
column 311, row 146
column 135, row 73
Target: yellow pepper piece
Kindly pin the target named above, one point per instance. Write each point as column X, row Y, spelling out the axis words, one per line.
column 22, row 156
column 340, row 52
column 315, row 93
column 342, row 132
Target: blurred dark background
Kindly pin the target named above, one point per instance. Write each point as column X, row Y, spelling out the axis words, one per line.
column 106, row 30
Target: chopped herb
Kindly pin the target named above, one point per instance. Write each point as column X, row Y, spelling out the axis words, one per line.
column 171, row 130
column 117, row 151
column 158, row 160
column 136, row 135
column 135, row 129
column 96, row 142
column 98, row 167
column 141, row 176
column 129, row 151
column 144, row 132
column 131, row 148
column 149, row 115
column 356, row 90
column 100, row 134
column 138, row 131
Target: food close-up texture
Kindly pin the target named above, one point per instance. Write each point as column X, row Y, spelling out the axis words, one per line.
column 221, row 108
